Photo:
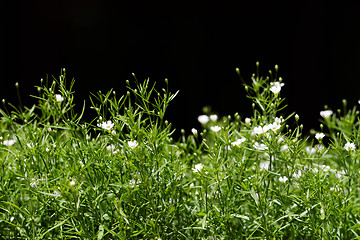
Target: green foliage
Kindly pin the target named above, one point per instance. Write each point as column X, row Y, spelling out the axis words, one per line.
column 123, row 176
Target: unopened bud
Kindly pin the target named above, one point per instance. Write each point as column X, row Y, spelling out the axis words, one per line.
column 296, row 117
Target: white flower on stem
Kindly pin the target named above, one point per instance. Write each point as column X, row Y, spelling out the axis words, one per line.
column 132, row 182
column 215, row 128
column 248, row 121
column 297, row 174
column 284, row 148
column 325, row 168
column 326, row 113
column 110, row 147
column 260, row 130
column 9, row 142
column 197, row 168
column 264, row 165
column 257, row 130
column 276, row 87
column 238, row 141
column 30, row 145
column 319, row 136
column 359, row 101
column 278, row 120
column 350, row 147
column 274, row 126
column 310, row 150
column 213, row 117
column 203, row 119
column 132, row 144
column 266, row 128
column 59, row 98
column 72, row 184
column 108, row 125
column 194, row 131
column 260, row 146
column 339, row 174
column 283, row 179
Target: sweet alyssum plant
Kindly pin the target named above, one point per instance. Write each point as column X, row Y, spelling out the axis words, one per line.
column 123, row 176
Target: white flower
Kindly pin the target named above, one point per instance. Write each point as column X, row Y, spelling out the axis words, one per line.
column 297, row 174
column 110, row 147
column 132, row 144
column 132, row 182
column 30, row 145
column 350, row 147
column 283, row 179
column 310, row 150
column 248, row 121
column 59, row 98
column 238, row 141
column 81, row 164
column 359, row 101
column 47, row 149
column 72, row 184
column 257, row 130
column 266, row 128
column 197, row 167
column 276, row 87
column 277, row 84
column 325, row 168
column 284, row 148
column 278, row 120
column 203, row 119
column 9, row 142
column 326, row 113
column 319, row 136
column 106, row 125
column 260, row 146
column 274, row 126
column 260, row 130
column 339, row 174
column 213, row 117
column 194, row 131
column 264, row 165
column 215, row 128
column 113, row 132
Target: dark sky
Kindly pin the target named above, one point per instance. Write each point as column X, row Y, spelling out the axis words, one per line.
column 197, row 48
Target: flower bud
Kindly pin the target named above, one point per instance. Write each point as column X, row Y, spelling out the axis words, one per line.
column 72, row 184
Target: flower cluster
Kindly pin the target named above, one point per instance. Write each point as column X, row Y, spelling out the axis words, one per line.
column 276, row 87
column 108, row 125
column 326, row 114
column 275, row 126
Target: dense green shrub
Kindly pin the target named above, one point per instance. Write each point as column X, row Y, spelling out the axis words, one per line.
column 123, row 176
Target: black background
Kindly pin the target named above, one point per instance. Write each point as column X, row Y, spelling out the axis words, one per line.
column 100, row 43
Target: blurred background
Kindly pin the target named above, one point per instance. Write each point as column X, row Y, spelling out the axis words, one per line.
column 101, row 43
